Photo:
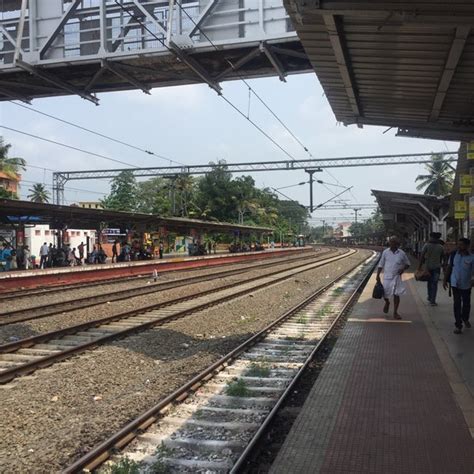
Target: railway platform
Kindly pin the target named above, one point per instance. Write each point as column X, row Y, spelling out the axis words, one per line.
column 84, row 273
column 393, row 396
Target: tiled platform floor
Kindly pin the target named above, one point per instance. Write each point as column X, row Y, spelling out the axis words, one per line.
column 383, row 402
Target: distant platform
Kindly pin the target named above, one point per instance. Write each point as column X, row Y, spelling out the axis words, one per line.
column 393, row 397
column 63, row 275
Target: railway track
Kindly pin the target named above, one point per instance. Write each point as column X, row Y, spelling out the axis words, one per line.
column 26, row 355
column 46, row 310
column 213, row 422
column 25, row 293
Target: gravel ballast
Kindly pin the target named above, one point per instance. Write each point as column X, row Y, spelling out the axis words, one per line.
column 34, row 327
column 138, row 282
column 53, row 417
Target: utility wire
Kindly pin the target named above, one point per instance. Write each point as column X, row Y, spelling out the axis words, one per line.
column 161, row 40
column 68, row 146
column 80, row 127
column 329, row 200
column 293, row 185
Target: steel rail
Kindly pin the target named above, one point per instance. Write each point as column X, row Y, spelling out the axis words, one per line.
column 28, row 367
column 39, row 291
column 125, row 435
column 269, row 418
column 95, row 300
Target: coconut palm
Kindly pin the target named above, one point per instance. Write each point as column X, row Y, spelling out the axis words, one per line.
column 439, row 181
column 9, row 166
column 39, row 193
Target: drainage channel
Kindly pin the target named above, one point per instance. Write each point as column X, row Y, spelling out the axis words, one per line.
column 24, row 356
column 224, row 410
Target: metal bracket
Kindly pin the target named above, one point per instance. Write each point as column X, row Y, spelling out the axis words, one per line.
column 151, row 17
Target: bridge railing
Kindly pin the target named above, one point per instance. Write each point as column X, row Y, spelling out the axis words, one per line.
column 79, row 30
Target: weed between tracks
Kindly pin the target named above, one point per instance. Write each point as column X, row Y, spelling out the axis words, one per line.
column 237, row 388
column 258, row 370
column 124, row 466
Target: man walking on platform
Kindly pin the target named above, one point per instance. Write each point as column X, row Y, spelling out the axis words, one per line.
column 393, row 263
column 431, row 257
column 44, row 250
column 459, row 274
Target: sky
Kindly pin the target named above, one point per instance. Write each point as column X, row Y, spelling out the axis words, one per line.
column 193, row 125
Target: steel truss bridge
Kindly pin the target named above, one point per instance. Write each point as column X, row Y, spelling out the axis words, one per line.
column 60, row 178
column 82, row 47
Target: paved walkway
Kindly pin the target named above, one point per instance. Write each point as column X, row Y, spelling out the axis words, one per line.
column 388, row 399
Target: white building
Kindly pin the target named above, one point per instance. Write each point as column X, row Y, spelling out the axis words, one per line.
column 36, row 236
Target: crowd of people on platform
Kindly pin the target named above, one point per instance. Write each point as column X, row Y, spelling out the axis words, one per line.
column 434, row 259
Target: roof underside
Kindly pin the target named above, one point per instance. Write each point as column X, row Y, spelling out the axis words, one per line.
column 405, row 64
column 12, row 211
column 409, row 211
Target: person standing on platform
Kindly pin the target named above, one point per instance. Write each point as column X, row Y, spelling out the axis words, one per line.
column 393, row 263
column 432, row 257
column 161, row 249
column 460, row 274
column 80, row 249
column 44, row 250
column 26, row 257
column 114, row 251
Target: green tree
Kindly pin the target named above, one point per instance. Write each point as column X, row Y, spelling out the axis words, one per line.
column 123, row 193
column 39, row 193
column 153, row 197
column 439, row 180
column 215, row 193
column 5, row 194
column 9, row 165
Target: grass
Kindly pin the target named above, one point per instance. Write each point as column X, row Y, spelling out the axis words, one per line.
column 302, row 320
column 338, row 291
column 124, row 466
column 158, row 467
column 237, row 388
column 258, row 370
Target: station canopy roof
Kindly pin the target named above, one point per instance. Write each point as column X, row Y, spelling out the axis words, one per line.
column 406, row 211
column 74, row 217
column 407, row 64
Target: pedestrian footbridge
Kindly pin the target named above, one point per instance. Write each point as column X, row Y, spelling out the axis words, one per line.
column 56, row 47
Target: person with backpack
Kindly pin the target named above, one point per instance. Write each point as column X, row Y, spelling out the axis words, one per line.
column 431, row 257
column 459, row 276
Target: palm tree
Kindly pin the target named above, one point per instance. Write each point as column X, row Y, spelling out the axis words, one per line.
column 439, row 181
column 10, row 166
column 39, row 193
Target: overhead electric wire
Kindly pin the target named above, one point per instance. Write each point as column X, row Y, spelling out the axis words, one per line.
column 143, row 25
column 98, row 155
column 80, row 127
column 293, row 185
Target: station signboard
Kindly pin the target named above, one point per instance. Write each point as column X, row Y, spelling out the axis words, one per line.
column 471, row 212
column 460, row 206
column 470, row 151
column 465, row 184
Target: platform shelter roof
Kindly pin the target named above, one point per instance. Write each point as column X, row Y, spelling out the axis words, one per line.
column 406, row 212
column 407, row 64
column 74, row 217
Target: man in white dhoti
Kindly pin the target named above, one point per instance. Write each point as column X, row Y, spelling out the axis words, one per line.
column 393, row 263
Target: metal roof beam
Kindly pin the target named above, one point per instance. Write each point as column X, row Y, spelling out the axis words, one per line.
column 274, row 61
column 56, row 81
column 336, row 37
column 238, row 64
column 457, row 47
column 196, row 67
column 118, row 71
